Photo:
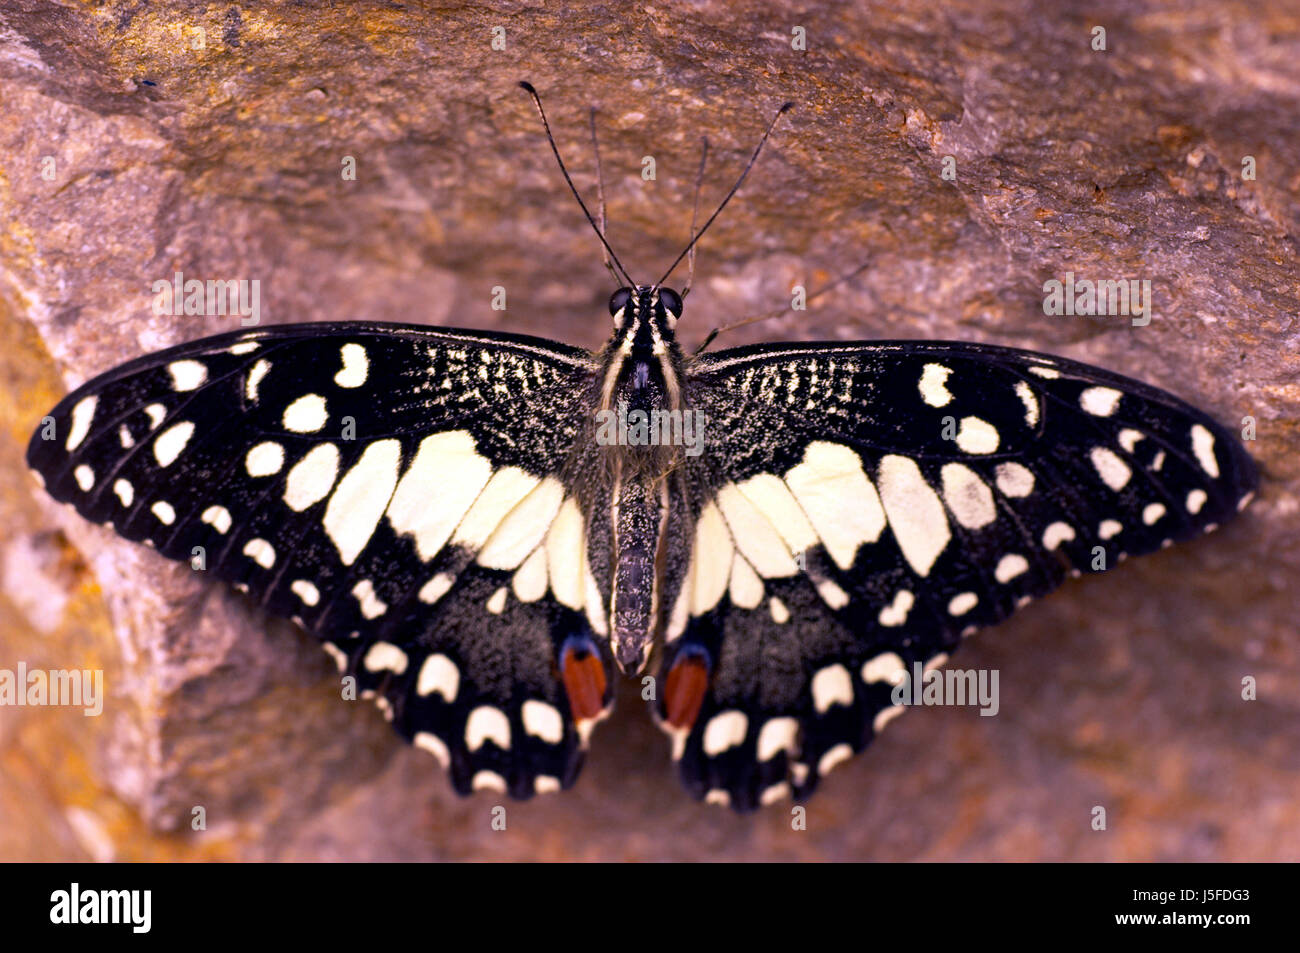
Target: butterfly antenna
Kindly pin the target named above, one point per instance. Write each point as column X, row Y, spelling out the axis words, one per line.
column 537, row 101
column 695, row 214
column 734, row 189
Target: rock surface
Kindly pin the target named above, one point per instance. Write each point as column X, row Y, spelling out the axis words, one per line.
column 137, row 140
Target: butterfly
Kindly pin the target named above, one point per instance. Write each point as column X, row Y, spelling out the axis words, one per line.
column 485, row 529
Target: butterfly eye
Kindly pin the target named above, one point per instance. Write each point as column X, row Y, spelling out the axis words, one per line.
column 619, row 299
column 671, row 301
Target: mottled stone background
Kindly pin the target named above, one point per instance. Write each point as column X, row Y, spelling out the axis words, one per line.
column 224, row 162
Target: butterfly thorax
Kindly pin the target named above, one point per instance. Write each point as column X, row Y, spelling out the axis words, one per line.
column 639, row 426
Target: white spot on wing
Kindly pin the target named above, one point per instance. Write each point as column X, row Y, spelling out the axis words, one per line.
column 163, row 510
column 487, row 724
column 507, row 487
column 710, row 560
column 438, row 675
column 218, row 517
column 156, row 413
column 307, row 414
column 543, row 721
column 496, row 603
column 305, row 591
column 171, row 442
column 834, row 758
column 83, row 414
column 1100, row 401
column 523, row 529
column 755, row 537
column 895, row 613
column 436, row 588
column 1109, row 528
column 125, row 492
column 334, row 652
column 832, row 594
column 1195, row 500
column 261, row 552
column 265, row 459
column 1015, row 480
column 1026, row 395
column 746, row 589
column 361, row 497
column 355, row 366
column 1009, row 567
column 1056, row 534
column 1128, row 438
column 724, row 730
column 1203, row 447
column 968, row 497
column 312, row 477
column 385, row 656
column 841, row 503
column 777, row 735
column 488, row 781
column 914, row 510
column 187, row 375
column 780, row 614
column 1152, row 513
column 885, row 667
column 962, row 603
column 372, row 607
column 773, row 498
column 976, row 435
column 886, row 715
column 565, row 555
column 831, row 686
column 931, row 385
column 434, row 745
column 529, row 581
column 1113, row 471
column 85, row 477
column 255, row 375
column 442, row 482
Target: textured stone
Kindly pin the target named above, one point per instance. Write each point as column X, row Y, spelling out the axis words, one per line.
column 224, row 161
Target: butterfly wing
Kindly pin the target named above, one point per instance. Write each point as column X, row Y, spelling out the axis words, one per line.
column 860, row 508
column 404, row 493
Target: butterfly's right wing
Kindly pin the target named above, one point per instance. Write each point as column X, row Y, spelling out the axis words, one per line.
column 407, row 494
column 859, row 508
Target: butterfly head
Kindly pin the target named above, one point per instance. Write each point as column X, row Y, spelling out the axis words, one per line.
column 645, row 317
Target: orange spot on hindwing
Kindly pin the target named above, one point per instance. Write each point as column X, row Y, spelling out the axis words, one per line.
column 584, row 681
column 684, row 690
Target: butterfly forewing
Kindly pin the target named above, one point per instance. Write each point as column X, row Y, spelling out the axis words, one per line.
column 861, row 508
column 409, row 495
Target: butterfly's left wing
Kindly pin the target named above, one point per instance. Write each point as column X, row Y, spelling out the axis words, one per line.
column 859, row 508
column 408, row 494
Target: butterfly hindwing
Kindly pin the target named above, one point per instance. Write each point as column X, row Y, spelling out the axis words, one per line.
column 859, row 508
column 405, row 493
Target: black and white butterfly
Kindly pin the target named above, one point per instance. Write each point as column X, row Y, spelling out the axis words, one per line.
column 443, row 509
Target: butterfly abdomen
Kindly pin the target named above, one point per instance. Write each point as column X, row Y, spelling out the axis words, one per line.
column 640, row 520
